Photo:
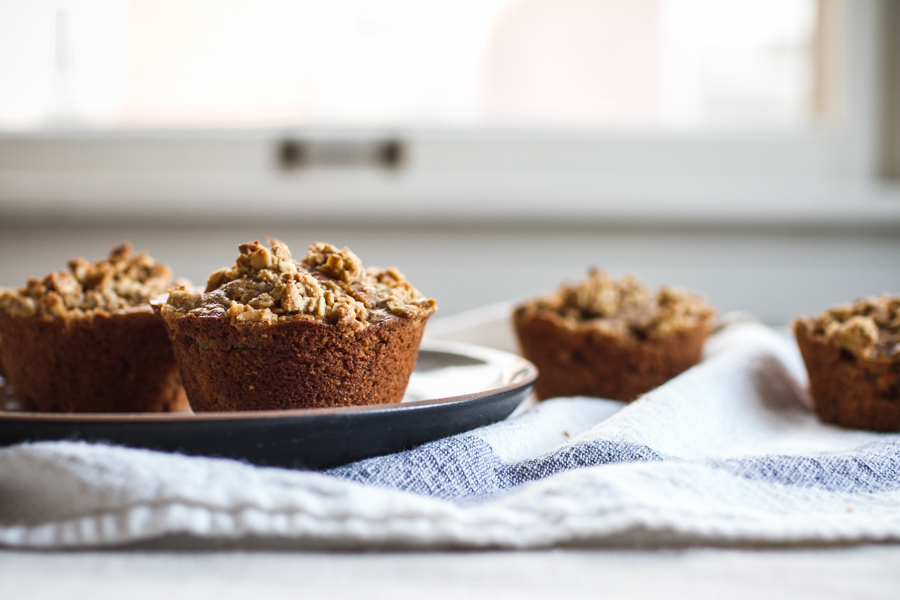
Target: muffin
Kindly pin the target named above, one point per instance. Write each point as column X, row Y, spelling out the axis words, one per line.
column 3, row 384
column 610, row 338
column 87, row 339
column 274, row 333
column 852, row 355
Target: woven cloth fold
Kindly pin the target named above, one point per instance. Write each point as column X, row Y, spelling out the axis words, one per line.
column 727, row 453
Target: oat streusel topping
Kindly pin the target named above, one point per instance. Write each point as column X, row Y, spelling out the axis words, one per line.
column 266, row 285
column 623, row 306
column 867, row 328
column 123, row 280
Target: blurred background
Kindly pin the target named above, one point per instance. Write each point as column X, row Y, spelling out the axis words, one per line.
column 491, row 149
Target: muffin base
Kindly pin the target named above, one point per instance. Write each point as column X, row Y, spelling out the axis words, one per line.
column 97, row 363
column 589, row 362
column 292, row 364
column 847, row 391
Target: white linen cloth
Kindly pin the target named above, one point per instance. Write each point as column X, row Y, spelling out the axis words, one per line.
column 728, row 453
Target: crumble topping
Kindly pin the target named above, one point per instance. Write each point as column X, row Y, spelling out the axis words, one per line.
column 123, row 280
column 266, row 285
column 623, row 306
column 867, row 328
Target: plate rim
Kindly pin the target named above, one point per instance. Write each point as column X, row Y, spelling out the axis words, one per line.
column 520, row 372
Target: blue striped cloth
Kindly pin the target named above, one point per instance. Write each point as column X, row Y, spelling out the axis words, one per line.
column 752, row 387
column 728, row 453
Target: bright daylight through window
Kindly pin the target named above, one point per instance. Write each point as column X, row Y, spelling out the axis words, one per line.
column 607, row 64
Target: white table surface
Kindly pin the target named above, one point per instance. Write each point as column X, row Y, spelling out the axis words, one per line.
column 696, row 573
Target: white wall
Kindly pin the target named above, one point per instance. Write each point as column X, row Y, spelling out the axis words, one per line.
column 775, row 274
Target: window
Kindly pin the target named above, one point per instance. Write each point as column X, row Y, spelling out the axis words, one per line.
column 662, row 109
column 664, row 64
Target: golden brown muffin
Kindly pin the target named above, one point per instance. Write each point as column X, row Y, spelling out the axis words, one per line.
column 274, row 333
column 852, row 355
column 611, row 339
column 87, row 340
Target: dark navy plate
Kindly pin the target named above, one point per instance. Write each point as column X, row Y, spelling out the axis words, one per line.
column 455, row 388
